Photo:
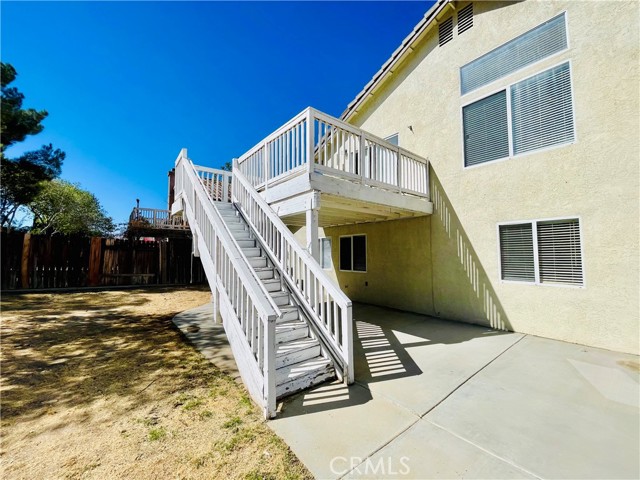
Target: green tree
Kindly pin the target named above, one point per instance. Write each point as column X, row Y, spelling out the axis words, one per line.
column 63, row 207
column 21, row 178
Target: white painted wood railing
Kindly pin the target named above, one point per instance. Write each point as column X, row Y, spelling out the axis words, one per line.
column 335, row 148
column 248, row 312
column 157, row 218
column 326, row 305
column 216, row 182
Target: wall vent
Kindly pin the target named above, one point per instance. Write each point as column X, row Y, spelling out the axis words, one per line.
column 465, row 18
column 445, row 31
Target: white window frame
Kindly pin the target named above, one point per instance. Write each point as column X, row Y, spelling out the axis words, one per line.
column 366, row 252
column 507, row 89
column 397, row 134
column 320, row 241
column 531, row 65
column 536, row 264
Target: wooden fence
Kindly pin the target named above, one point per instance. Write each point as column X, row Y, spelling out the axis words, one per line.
column 58, row 261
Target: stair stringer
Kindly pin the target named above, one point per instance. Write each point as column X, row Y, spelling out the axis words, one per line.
column 254, row 379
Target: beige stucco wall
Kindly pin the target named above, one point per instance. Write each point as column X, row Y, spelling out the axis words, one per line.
column 596, row 179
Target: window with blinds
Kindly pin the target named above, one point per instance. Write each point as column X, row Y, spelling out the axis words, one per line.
column 485, row 130
column 559, row 252
column 556, row 246
column 541, row 42
column 465, row 18
column 445, row 31
column 516, row 253
column 542, row 110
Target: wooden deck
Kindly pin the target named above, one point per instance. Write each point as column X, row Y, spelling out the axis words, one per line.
column 347, row 175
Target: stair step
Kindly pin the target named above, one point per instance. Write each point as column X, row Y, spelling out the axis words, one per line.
column 300, row 376
column 289, row 313
column 264, row 273
column 272, row 284
column 280, row 298
column 256, row 262
column 251, row 252
column 246, row 243
column 236, row 226
column 241, row 235
column 296, row 351
column 288, row 331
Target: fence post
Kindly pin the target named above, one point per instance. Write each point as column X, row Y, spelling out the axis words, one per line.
column 95, row 255
column 26, row 254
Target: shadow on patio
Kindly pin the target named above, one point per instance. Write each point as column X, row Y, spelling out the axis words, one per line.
column 396, row 350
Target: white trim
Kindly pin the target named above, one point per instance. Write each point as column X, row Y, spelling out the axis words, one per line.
column 366, row 252
column 559, row 52
column 507, row 88
column 534, row 231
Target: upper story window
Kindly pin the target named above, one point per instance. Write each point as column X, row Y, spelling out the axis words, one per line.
column 541, row 42
column 534, row 113
column 393, row 139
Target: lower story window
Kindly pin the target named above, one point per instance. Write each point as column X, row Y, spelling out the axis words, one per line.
column 542, row 251
column 325, row 253
column 353, row 253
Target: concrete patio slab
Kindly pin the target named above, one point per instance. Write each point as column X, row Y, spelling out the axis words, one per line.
column 208, row 337
column 427, row 451
column 331, row 425
column 556, row 409
column 416, row 361
column 452, row 400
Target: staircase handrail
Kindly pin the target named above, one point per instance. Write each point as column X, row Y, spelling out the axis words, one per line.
column 304, row 275
column 234, row 295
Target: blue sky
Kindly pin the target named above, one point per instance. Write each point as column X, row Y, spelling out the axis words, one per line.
column 127, row 84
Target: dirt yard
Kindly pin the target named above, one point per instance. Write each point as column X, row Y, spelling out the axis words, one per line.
column 101, row 385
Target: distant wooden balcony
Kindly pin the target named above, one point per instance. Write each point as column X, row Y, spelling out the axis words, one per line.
column 154, row 221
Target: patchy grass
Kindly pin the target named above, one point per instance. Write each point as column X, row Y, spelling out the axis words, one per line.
column 101, row 385
column 157, row 434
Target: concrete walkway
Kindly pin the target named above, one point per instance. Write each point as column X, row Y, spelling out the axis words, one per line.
column 436, row 399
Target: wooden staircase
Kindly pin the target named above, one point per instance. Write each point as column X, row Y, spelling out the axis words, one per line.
column 300, row 359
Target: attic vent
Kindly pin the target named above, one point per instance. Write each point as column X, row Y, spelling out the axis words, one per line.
column 445, row 31
column 465, row 18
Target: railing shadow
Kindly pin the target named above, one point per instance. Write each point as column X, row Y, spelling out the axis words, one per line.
column 385, row 343
column 475, row 300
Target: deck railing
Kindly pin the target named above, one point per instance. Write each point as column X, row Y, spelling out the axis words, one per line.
column 327, row 306
column 315, row 142
column 248, row 312
column 156, row 218
column 217, row 182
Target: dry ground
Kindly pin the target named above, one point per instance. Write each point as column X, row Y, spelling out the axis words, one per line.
column 101, row 385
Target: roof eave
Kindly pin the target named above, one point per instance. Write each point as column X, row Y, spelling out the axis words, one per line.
column 405, row 48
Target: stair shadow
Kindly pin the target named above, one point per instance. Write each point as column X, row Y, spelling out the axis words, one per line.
column 385, row 343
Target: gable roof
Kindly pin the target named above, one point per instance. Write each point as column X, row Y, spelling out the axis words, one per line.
column 397, row 57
